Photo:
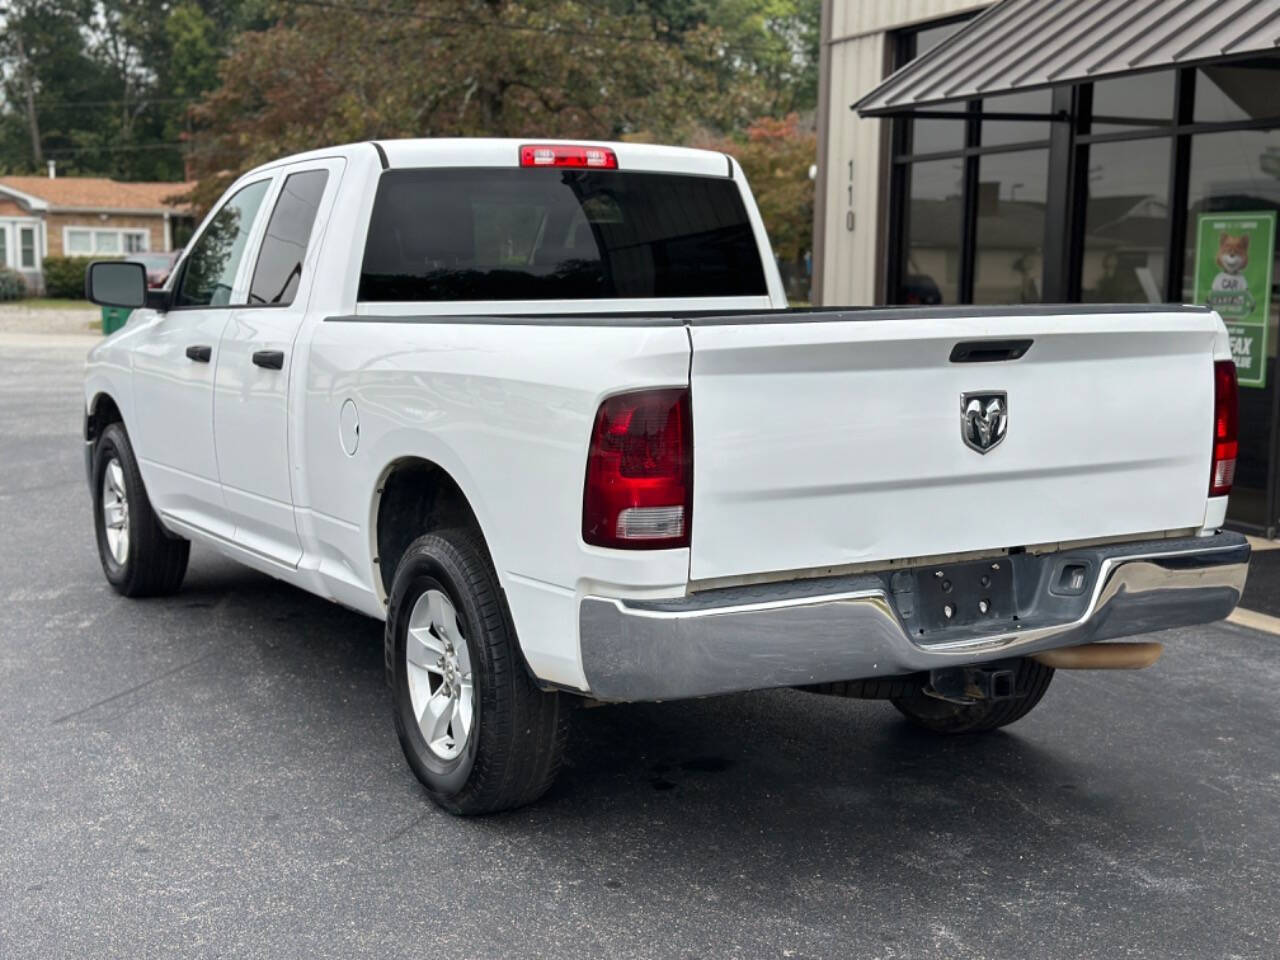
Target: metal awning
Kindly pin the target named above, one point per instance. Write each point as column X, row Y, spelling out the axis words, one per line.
column 1027, row 44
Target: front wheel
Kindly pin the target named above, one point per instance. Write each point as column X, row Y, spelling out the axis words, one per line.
column 139, row 558
column 473, row 725
column 941, row 716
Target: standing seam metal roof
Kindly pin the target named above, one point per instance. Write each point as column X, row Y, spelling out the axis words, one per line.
column 1026, row 44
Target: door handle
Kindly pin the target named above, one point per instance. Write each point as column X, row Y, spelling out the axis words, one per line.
column 270, row 359
column 199, row 353
column 989, row 351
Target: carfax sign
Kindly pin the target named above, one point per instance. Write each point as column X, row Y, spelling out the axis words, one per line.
column 1234, row 253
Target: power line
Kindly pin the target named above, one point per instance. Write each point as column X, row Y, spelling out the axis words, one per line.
column 117, row 148
column 141, row 101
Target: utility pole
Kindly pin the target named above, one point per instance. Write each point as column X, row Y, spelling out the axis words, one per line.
column 37, row 155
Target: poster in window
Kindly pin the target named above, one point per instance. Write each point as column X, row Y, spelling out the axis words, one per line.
column 1234, row 253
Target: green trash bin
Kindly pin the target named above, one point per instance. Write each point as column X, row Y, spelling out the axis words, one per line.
column 113, row 318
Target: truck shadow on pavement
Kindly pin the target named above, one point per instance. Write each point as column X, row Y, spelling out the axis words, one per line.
column 747, row 773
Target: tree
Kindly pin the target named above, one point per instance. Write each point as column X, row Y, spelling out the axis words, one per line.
column 331, row 72
column 46, row 71
column 103, row 86
column 774, row 42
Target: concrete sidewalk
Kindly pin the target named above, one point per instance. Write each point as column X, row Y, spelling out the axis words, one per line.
column 22, row 317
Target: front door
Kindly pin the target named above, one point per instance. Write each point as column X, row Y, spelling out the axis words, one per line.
column 255, row 361
column 174, row 363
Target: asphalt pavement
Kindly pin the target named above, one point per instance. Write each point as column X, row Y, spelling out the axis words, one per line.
column 215, row 774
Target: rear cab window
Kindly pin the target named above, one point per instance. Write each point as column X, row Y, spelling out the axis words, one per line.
column 505, row 234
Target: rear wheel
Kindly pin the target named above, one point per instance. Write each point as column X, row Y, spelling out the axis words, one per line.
column 138, row 557
column 474, row 727
column 942, row 716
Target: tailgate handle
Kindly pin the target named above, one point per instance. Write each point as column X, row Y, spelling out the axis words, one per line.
column 989, row 351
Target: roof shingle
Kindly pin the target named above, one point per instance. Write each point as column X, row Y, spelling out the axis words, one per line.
column 101, row 193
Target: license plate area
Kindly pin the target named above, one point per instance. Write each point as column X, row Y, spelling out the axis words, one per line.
column 978, row 593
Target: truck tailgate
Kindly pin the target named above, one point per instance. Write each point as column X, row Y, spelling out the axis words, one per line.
column 823, row 441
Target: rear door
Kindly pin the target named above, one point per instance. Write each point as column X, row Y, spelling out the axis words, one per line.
column 826, row 442
column 250, row 403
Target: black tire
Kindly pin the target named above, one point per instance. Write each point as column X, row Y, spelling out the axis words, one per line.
column 513, row 751
column 155, row 562
column 939, row 716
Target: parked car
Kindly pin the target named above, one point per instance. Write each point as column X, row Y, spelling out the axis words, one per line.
column 542, row 408
column 157, row 265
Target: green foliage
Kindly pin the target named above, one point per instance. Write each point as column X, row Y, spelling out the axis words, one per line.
column 64, row 276
column 111, row 81
column 195, row 43
column 136, row 88
column 772, row 42
column 552, row 68
column 12, row 286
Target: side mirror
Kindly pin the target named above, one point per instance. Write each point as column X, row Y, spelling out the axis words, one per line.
column 116, row 283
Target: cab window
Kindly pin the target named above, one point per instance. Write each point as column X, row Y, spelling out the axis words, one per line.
column 210, row 271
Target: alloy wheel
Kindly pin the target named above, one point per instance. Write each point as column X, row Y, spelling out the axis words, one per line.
column 115, row 511
column 441, row 687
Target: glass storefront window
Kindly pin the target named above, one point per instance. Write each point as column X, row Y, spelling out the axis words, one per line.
column 930, row 37
column 1138, row 101
column 1012, row 188
column 931, row 261
column 1239, row 91
column 937, row 136
column 1126, row 222
column 1239, row 171
column 1038, row 102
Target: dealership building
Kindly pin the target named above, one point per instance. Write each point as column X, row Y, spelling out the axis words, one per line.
column 1032, row 151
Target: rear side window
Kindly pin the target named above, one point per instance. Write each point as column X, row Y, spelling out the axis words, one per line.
column 554, row 234
column 279, row 267
column 212, row 264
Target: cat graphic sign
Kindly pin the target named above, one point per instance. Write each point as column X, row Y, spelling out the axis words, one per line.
column 1234, row 253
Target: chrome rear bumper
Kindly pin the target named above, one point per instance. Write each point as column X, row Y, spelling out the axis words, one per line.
column 815, row 631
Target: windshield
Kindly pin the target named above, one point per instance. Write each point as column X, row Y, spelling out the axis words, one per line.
column 551, row 234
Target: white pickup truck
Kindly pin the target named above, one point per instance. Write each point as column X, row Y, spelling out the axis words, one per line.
column 542, row 408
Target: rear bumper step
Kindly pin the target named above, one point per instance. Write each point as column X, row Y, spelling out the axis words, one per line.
column 845, row 628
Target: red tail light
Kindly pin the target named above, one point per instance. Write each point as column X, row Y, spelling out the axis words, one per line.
column 551, row 155
column 1226, row 426
column 639, row 490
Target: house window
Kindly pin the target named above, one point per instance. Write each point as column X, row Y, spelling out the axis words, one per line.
column 79, row 242
column 4, row 247
column 84, row 242
column 27, row 247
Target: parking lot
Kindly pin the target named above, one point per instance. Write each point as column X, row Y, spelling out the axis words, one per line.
column 216, row 774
